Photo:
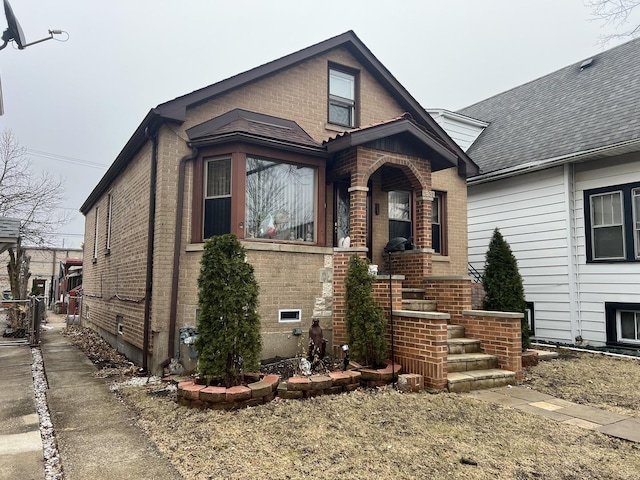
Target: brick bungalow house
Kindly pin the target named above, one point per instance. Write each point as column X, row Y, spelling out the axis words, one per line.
column 308, row 159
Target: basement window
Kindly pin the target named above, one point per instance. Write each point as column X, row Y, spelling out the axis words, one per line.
column 289, row 316
column 120, row 323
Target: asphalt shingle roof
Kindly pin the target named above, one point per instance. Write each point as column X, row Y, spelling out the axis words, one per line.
column 568, row 111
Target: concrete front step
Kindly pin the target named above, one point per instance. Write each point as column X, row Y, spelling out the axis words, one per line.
column 479, row 379
column 463, row 345
column 465, row 362
column 413, row 293
column 455, row 331
column 420, row 305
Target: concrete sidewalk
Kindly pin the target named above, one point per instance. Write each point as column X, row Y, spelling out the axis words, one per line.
column 21, row 454
column 523, row 398
column 96, row 435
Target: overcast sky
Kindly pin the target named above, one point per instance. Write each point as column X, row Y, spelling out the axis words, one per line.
column 74, row 105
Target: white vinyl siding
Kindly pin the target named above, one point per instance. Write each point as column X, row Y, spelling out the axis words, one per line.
column 462, row 132
column 603, row 282
column 530, row 211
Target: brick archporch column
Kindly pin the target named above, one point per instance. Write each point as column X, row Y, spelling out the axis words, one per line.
column 423, row 239
column 358, row 216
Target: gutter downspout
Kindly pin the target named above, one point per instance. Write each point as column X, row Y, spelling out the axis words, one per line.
column 177, row 239
column 150, row 241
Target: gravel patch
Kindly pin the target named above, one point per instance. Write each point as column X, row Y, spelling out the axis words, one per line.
column 52, row 465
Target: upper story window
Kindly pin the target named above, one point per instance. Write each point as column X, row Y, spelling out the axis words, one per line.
column 612, row 221
column 400, row 214
column 342, row 98
column 280, row 201
column 217, row 197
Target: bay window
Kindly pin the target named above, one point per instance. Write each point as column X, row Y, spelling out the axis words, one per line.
column 217, row 197
column 280, row 201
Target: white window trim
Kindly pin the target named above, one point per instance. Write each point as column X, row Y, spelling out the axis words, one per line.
column 635, row 193
column 109, row 219
column 343, row 101
column 619, row 328
column 289, row 310
column 95, row 235
column 594, row 227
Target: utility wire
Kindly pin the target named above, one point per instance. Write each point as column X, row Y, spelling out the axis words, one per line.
column 66, row 159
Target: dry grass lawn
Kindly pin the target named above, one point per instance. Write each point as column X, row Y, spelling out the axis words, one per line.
column 385, row 434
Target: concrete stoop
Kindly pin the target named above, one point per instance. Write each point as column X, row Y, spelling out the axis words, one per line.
column 469, row 368
column 459, row 382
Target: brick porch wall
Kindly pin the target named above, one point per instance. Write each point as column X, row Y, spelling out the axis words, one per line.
column 453, row 294
column 415, row 265
column 420, row 345
column 420, row 339
column 499, row 334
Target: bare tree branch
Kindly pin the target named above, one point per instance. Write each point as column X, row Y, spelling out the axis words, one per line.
column 615, row 13
column 32, row 198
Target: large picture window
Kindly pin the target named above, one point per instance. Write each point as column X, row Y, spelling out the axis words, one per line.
column 217, row 197
column 612, row 221
column 280, row 201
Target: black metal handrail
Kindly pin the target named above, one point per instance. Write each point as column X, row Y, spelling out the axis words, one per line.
column 475, row 274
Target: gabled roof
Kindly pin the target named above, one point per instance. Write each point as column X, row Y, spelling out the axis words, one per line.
column 174, row 111
column 578, row 111
column 243, row 125
column 405, row 127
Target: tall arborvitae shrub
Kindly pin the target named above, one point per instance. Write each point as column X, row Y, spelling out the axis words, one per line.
column 503, row 284
column 228, row 342
column 365, row 320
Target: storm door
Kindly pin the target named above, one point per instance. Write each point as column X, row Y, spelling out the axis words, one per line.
column 341, row 212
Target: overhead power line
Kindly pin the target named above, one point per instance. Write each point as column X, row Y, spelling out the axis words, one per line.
column 66, row 159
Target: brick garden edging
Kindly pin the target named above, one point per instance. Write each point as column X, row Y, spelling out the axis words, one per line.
column 192, row 395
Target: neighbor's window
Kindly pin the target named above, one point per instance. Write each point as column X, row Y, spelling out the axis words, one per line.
column 438, row 230
column 607, row 225
column 217, row 197
column 342, row 98
column 400, row 214
column 628, row 326
column 280, row 201
column 635, row 195
column 612, row 218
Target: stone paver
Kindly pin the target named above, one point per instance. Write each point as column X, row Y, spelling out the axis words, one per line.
column 528, row 400
column 594, row 415
column 628, row 429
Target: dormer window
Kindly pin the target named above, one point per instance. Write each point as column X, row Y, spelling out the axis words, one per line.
column 342, row 98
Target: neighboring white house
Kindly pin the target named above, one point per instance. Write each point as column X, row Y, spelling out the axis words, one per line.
column 560, row 178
